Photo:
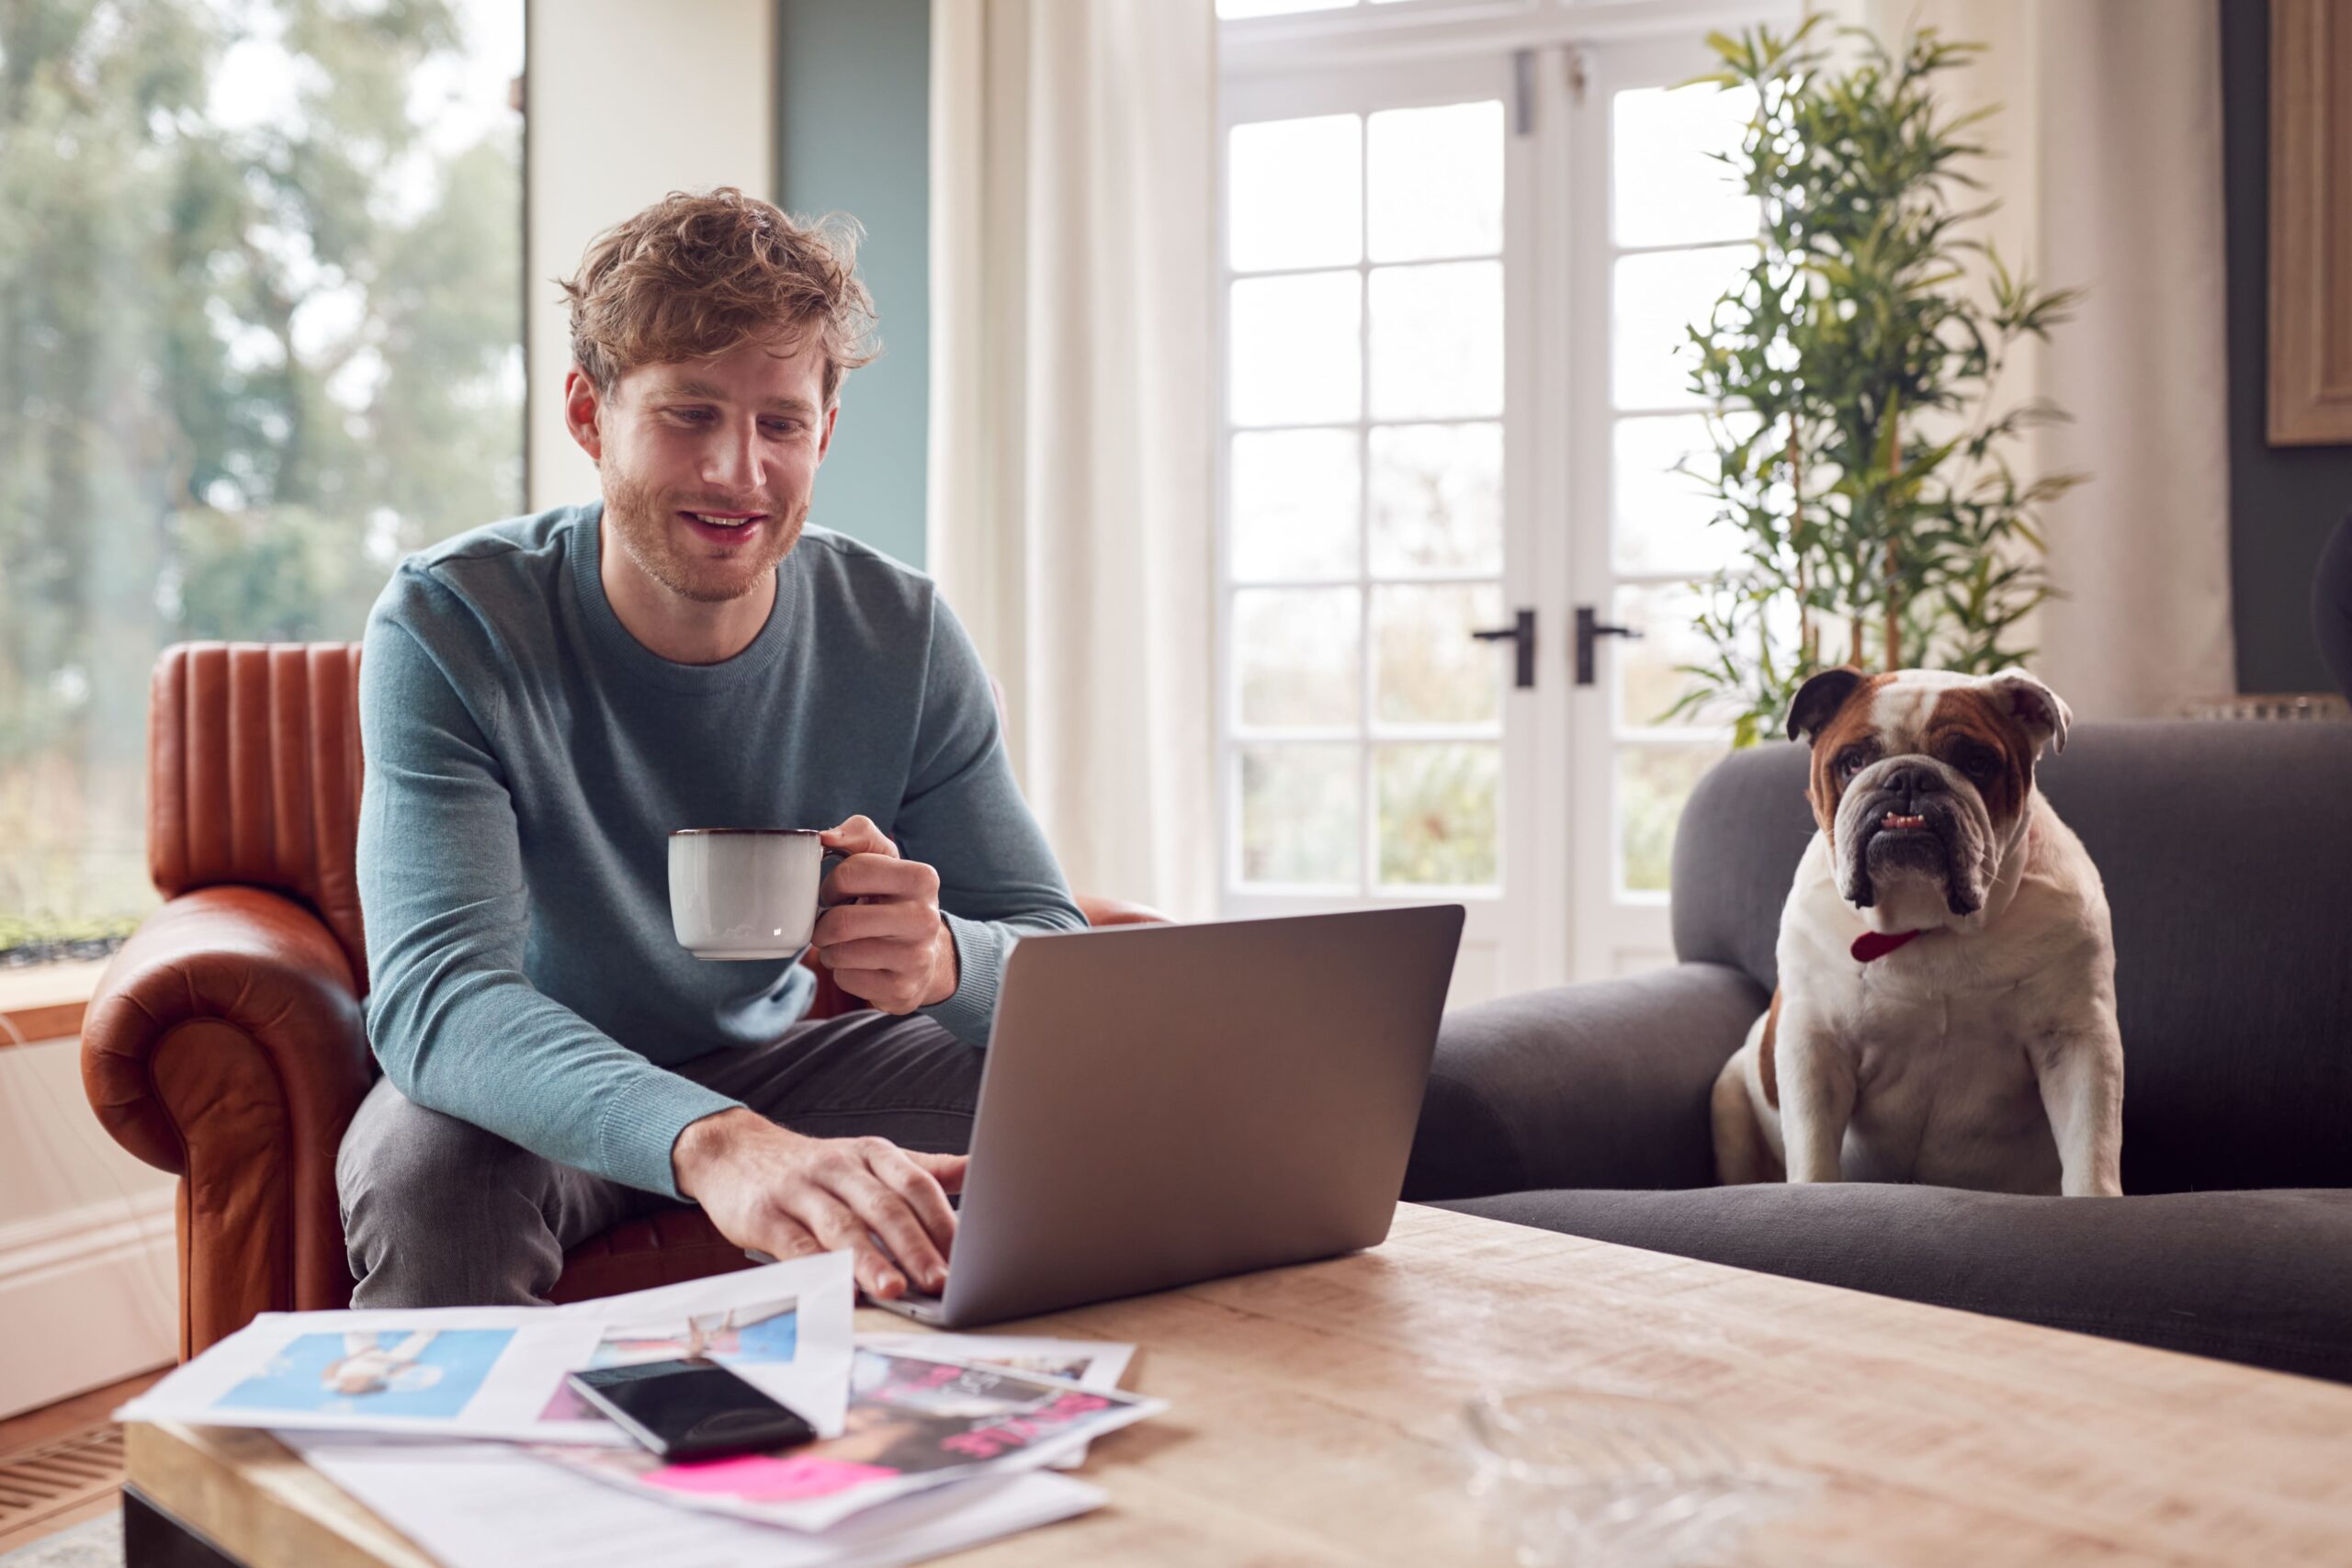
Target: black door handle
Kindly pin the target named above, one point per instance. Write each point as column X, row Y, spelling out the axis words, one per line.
column 1521, row 631
column 1590, row 630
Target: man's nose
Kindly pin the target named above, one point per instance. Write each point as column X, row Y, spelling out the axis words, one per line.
column 734, row 460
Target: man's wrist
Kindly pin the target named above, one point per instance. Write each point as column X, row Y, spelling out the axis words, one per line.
column 704, row 1142
column 946, row 974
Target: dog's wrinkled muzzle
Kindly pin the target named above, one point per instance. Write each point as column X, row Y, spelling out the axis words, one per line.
column 1906, row 822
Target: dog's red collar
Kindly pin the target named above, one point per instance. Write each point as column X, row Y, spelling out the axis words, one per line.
column 1878, row 944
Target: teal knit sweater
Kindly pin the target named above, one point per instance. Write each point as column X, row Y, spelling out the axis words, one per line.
column 527, row 759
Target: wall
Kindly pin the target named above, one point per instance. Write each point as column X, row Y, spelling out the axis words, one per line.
column 2285, row 500
column 853, row 128
column 89, row 1289
column 627, row 102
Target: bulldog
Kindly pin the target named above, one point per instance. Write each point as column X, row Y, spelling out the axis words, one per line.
column 1946, row 1011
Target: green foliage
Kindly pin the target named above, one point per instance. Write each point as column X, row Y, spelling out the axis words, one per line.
column 1850, row 376
column 249, row 355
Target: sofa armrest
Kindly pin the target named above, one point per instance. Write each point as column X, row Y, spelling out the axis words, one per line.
column 1101, row 912
column 1604, row 1083
column 226, row 1044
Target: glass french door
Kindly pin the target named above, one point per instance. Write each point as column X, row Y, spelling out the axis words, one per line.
column 1453, row 294
column 1652, row 232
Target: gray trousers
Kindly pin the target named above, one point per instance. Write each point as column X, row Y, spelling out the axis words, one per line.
column 437, row 1212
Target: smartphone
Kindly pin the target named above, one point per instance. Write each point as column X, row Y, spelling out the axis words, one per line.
column 691, row 1409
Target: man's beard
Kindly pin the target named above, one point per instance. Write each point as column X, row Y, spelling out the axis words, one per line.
column 649, row 531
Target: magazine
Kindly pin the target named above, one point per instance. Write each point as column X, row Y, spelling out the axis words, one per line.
column 1089, row 1363
column 913, row 1423
column 499, row 1371
column 474, row 1505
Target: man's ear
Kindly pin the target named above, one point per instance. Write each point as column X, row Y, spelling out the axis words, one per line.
column 825, row 436
column 583, row 405
column 1818, row 700
column 2042, row 712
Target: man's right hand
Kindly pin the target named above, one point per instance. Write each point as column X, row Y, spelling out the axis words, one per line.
column 784, row 1193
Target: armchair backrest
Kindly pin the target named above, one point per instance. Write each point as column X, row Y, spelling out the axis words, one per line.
column 253, row 776
column 2226, row 854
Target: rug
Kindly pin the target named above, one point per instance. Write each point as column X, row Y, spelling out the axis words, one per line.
column 93, row 1543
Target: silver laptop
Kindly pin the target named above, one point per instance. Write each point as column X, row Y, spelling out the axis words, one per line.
column 1166, row 1104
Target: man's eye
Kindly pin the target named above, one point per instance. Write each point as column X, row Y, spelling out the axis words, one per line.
column 781, row 426
column 694, row 416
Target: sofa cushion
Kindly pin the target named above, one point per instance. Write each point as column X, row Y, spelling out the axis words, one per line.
column 2263, row 1278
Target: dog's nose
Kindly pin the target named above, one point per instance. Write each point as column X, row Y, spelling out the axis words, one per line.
column 1911, row 779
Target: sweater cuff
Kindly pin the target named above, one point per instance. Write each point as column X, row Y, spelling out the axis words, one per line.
column 641, row 1128
column 980, row 963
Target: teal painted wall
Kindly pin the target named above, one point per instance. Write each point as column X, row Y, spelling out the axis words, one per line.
column 853, row 129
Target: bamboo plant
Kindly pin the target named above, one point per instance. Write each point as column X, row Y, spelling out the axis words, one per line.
column 1849, row 376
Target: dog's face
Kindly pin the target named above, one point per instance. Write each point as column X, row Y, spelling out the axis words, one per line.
column 1921, row 778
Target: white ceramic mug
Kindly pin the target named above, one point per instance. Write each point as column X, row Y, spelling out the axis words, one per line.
column 744, row 891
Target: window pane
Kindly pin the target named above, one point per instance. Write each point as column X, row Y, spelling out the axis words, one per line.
column 1295, row 350
column 1301, row 815
column 1665, row 187
column 1437, row 498
column 1437, row 340
column 1655, row 301
column 260, row 334
column 1436, row 180
column 1294, row 504
column 1297, row 651
column 1228, row 9
column 1427, row 667
column 1439, row 808
column 1294, row 193
column 1652, row 781
column 1658, row 518
column 1649, row 675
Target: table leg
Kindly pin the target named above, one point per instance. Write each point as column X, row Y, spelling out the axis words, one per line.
column 154, row 1539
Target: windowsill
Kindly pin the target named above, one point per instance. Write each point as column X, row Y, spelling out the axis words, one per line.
column 45, row 1002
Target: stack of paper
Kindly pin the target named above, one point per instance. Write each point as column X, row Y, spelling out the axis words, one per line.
column 456, row 1425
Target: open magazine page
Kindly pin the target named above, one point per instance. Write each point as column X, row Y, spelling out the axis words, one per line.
column 787, row 1335
column 913, row 1424
column 499, row 1371
column 1089, row 1363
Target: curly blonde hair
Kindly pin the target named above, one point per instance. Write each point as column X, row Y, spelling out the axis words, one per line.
column 699, row 273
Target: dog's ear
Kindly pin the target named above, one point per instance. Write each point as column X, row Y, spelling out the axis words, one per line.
column 2042, row 712
column 1818, row 700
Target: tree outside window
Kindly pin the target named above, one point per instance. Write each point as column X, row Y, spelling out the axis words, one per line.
column 260, row 335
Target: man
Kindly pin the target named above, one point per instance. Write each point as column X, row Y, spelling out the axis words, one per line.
column 544, row 700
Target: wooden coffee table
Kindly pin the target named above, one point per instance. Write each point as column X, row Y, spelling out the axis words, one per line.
column 1316, row 1417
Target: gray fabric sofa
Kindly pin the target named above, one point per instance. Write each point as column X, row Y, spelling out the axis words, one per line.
column 2226, row 849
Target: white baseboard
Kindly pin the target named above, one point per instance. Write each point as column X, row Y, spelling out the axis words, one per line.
column 88, row 1298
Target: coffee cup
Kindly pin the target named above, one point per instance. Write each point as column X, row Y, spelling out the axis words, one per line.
column 744, row 891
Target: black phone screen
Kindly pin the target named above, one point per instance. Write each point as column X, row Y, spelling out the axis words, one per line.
column 687, row 1409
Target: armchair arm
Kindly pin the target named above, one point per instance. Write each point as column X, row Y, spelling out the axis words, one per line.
column 1604, row 1083
column 1099, row 912
column 226, row 1044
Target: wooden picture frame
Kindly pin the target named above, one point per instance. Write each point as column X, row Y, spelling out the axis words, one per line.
column 2311, row 223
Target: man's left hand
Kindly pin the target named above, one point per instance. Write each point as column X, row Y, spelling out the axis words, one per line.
column 881, row 932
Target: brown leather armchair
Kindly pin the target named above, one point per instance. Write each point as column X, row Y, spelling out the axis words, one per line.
column 226, row 1043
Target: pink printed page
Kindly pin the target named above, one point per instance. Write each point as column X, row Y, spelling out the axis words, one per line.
column 760, row 1478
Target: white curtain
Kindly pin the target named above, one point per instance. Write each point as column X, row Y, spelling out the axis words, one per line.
column 2106, row 158
column 1071, row 521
